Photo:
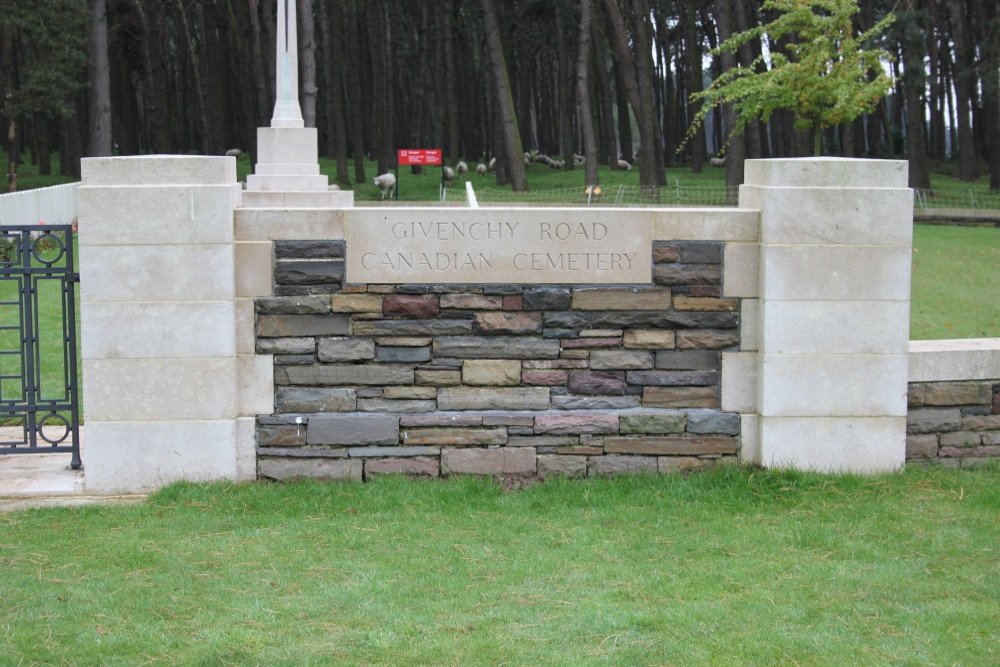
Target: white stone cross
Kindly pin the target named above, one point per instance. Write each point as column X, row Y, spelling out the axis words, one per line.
column 287, row 112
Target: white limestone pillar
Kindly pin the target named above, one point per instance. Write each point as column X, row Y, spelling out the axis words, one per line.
column 836, row 238
column 166, row 394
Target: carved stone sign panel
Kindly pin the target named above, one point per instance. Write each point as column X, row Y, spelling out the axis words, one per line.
column 498, row 245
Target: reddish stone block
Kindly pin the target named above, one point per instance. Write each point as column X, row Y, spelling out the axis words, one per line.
column 545, row 378
column 603, row 383
column 508, row 323
column 415, row 306
column 513, row 302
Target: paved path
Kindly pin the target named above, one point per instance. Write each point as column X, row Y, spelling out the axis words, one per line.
column 46, row 480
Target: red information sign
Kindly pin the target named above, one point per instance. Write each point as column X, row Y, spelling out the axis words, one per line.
column 419, row 156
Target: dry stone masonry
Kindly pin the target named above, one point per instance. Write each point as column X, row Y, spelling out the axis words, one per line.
column 495, row 379
column 953, row 423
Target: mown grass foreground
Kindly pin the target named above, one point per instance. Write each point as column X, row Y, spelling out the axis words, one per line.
column 732, row 566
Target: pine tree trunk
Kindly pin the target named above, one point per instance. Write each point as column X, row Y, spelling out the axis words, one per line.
column 99, row 82
column 512, row 150
column 307, row 61
column 564, row 89
column 333, row 65
column 968, row 165
column 583, row 97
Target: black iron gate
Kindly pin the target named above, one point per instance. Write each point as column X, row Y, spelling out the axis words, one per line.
column 39, row 406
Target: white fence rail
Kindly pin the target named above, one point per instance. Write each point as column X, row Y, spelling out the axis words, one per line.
column 54, row 205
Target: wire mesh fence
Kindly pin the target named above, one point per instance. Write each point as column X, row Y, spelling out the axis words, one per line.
column 969, row 199
column 676, row 194
column 618, row 195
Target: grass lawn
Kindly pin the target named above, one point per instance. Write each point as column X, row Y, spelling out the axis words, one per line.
column 956, row 282
column 732, row 566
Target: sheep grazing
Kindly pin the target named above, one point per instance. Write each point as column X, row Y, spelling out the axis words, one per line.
column 481, row 169
column 448, row 176
column 718, row 162
column 387, row 184
column 622, row 164
column 579, row 160
column 493, row 165
column 556, row 164
column 542, row 157
column 234, row 152
column 461, row 168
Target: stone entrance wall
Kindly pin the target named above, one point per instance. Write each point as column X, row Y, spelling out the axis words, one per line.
column 775, row 332
column 491, row 379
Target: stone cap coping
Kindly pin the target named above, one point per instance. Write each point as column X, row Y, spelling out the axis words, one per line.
column 146, row 170
column 954, row 360
column 827, row 172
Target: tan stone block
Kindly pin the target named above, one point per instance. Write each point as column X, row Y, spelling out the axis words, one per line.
column 356, row 303
column 620, row 465
column 580, row 450
column 409, row 393
column 454, row 437
column 601, row 333
column 649, row 339
column 668, row 446
column 493, row 398
column 950, row 393
column 443, row 378
column 705, row 303
column 295, row 468
column 475, row 461
column 404, row 341
column 417, row 465
column 621, row 299
column 679, row 397
column 667, row 465
column 491, row 372
column 552, row 465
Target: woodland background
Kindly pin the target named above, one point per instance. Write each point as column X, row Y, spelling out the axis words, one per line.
column 477, row 78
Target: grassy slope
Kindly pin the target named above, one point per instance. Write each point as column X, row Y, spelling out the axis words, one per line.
column 730, row 567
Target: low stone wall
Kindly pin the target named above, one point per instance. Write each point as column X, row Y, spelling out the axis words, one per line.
column 954, row 403
column 495, row 379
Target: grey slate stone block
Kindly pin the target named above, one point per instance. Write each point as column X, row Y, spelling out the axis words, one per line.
column 308, row 272
column 726, row 423
column 388, row 354
column 292, row 326
column 310, row 399
column 353, row 430
column 307, row 304
column 496, row 347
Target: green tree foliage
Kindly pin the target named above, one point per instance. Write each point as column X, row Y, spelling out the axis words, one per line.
column 822, row 72
column 50, row 38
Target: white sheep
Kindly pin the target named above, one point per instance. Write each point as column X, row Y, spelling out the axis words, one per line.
column 448, row 176
column 718, row 162
column 481, row 169
column 493, row 165
column 622, row 164
column 387, row 184
column 461, row 168
column 234, row 152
